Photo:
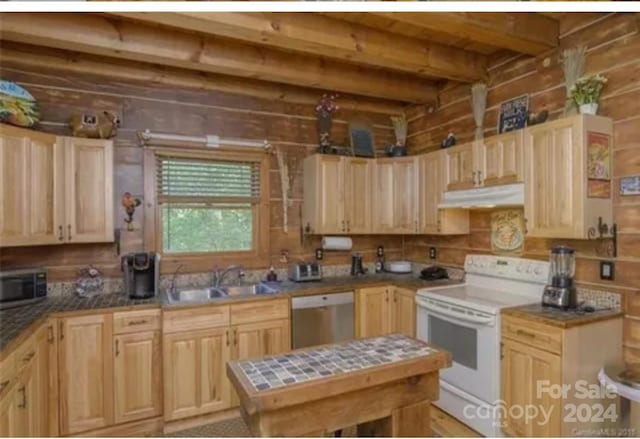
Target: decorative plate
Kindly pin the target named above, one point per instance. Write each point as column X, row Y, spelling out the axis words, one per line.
column 17, row 106
column 507, row 231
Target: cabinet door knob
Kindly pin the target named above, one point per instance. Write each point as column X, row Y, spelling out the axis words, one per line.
column 23, row 390
column 60, row 234
column 117, row 347
column 50, row 336
column 227, row 336
column 61, row 331
column 69, row 231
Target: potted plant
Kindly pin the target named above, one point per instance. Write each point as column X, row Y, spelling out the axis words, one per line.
column 586, row 93
column 324, row 110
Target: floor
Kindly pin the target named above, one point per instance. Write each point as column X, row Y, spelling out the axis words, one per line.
column 443, row 426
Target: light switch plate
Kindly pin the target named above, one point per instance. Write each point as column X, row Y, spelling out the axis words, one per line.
column 607, row 270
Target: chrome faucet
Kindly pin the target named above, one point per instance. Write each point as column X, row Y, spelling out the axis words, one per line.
column 218, row 276
column 172, row 287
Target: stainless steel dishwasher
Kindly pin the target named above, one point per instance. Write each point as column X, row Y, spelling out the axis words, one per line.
column 322, row 319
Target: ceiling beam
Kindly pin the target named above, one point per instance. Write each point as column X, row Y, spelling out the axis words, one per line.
column 319, row 35
column 99, row 35
column 522, row 32
column 17, row 55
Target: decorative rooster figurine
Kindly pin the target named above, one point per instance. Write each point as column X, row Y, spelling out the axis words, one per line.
column 130, row 203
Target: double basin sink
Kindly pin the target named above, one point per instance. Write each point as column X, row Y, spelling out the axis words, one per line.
column 213, row 293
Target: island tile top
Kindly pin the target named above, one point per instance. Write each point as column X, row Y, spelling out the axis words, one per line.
column 326, row 361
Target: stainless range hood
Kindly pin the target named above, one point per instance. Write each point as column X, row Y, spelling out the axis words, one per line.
column 485, row 197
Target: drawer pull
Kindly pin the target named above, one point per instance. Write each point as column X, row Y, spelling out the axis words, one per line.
column 4, row 384
column 29, row 356
column 137, row 322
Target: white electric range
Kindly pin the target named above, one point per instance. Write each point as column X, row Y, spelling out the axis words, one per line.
column 464, row 319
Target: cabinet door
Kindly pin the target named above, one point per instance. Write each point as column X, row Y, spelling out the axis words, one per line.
column 137, row 376
column 553, row 203
column 89, row 190
column 460, row 167
column 430, row 188
column 323, row 208
column 256, row 340
column 499, row 159
column 405, row 196
column 383, row 197
column 194, row 372
column 523, row 367
column 358, row 187
column 373, row 312
column 31, row 188
column 86, row 373
column 9, row 414
column 403, row 312
column 45, row 380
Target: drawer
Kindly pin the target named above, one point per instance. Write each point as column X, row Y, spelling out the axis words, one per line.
column 259, row 311
column 534, row 334
column 195, row 318
column 136, row 321
column 7, row 373
column 24, row 354
column 632, row 331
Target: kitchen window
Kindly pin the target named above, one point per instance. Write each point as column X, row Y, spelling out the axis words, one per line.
column 211, row 204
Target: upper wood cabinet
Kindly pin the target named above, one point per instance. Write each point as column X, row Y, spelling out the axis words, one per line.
column 88, row 190
column 561, row 199
column 54, row 190
column 460, row 167
column 31, row 188
column 86, row 373
column 337, row 194
column 432, row 180
column 395, row 203
column 492, row 161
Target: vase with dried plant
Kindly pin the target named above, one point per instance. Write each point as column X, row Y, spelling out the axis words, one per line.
column 325, row 109
column 586, row 93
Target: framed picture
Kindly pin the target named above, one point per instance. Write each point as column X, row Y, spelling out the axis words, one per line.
column 513, row 114
column 362, row 140
column 630, row 185
column 507, row 231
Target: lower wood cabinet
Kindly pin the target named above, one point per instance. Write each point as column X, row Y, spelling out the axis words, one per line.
column 137, row 376
column 385, row 310
column 194, row 372
column 86, row 373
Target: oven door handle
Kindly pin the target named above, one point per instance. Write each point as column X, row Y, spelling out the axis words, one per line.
column 435, row 309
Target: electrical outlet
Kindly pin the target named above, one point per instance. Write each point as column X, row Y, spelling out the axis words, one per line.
column 432, row 253
column 607, row 270
column 319, row 254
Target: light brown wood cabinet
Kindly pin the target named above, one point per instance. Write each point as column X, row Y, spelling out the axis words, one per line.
column 198, row 343
column 534, row 353
column 137, row 376
column 432, row 181
column 85, row 348
column 385, row 310
column 558, row 200
column 395, row 203
column 55, row 190
column 337, row 196
column 492, row 161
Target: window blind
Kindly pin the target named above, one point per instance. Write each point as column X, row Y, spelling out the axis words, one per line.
column 207, row 181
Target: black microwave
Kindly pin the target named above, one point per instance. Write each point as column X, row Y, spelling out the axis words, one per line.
column 21, row 287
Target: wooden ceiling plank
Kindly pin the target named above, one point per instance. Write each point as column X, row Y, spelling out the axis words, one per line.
column 19, row 55
column 320, row 35
column 99, row 35
column 524, row 32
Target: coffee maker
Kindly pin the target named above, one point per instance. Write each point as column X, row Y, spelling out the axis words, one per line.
column 141, row 274
column 561, row 291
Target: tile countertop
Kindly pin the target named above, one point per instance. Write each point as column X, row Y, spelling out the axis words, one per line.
column 326, row 361
column 14, row 321
column 559, row 318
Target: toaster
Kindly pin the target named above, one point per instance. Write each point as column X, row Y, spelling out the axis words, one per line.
column 304, row 272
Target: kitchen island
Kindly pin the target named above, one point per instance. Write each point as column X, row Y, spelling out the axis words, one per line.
column 384, row 385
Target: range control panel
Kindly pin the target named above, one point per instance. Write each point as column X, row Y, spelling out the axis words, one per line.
column 531, row 270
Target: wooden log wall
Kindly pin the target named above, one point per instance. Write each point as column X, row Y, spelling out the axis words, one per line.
column 613, row 45
column 291, row 127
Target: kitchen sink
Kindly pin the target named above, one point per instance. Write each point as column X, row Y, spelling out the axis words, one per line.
column 247, row 290
column 196, row 295
column 207, row 294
